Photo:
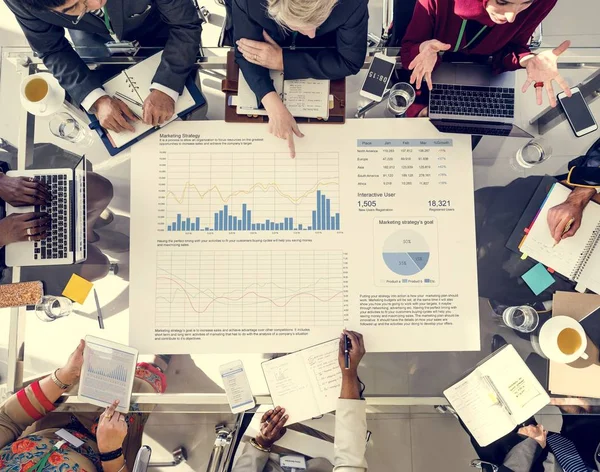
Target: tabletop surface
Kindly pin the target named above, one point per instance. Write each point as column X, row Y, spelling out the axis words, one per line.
column 410, row 375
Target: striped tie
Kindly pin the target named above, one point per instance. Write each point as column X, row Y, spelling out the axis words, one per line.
column 97, row 13
column 566, row 454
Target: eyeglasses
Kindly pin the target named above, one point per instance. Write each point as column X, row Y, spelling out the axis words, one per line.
column 82, row 14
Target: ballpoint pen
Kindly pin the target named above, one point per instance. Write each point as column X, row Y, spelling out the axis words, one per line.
column 347, row 346
column 566, row 230
column 100, row 319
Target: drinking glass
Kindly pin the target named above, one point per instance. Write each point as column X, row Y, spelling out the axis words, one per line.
column 51, row 308
column 521, row 318
column 65, row 126
column 533, row 153
column 402, row 96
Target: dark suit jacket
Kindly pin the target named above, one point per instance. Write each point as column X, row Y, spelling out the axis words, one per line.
column 344, row 34
column 130, row 19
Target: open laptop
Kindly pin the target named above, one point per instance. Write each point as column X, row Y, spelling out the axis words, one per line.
column 469, row 99
column 66, row 241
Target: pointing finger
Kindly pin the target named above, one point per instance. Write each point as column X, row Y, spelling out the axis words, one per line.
column 291, row 145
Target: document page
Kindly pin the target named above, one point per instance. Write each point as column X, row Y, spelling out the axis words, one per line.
column 290, row 387
column 307, row 98
column 366, row 229
column 325, row 375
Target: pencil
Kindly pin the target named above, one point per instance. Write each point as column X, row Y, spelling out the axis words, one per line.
column 566, row 230
column 100, row 319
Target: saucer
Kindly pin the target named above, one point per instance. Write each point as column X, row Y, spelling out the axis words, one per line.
column 52, row 107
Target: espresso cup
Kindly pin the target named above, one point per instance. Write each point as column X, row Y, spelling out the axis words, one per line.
column 563, row 339
column 41, row 94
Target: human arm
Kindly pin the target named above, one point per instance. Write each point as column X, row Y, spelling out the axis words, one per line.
column 420, row 29
column 35, row 401
column 571, row 209
column 523, row 455
column 111, row 432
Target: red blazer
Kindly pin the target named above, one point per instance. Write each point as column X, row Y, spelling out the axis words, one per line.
column 442, row 20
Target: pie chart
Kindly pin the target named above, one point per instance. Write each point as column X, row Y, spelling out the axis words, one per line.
column 406, row 252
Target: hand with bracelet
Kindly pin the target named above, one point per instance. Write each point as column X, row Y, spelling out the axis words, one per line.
column 272, row 429
column 111, row 432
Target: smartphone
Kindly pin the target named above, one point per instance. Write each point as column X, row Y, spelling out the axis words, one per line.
column 578, row 113
column 591, row 326
column 237, row 387
column 377, row 79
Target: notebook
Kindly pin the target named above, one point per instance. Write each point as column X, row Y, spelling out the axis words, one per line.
column 576, row 257
column 306, row 383
column 497, row 396
column 304, row 98
column 132, row 86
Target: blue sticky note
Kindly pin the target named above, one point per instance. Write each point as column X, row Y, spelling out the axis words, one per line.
column 538, row 278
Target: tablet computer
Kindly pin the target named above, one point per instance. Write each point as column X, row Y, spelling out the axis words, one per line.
column 107, row 373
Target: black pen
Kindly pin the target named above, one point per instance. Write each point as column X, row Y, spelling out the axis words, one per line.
column 347, row 346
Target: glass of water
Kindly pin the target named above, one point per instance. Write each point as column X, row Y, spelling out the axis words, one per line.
column 65, row 126
column 533, row 153
column 521, row 318
column 402, row 96
column 51, row 308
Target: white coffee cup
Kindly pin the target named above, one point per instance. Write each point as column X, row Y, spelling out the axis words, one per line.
column 549, row 339
column 41, row 94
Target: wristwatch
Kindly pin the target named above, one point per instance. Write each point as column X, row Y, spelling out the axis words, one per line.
column 59, row 384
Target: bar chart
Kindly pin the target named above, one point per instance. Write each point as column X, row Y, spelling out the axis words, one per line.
column 250, row 192
column 250, row 288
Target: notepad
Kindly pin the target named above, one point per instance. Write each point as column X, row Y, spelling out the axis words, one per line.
column 575, row 257
column 304, row 98
column 538, row 278
column 498, row 395
column 306, row 383
column 78, row 289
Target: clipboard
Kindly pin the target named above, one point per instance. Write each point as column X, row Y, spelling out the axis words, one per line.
column 337, row 90
column 196, row 94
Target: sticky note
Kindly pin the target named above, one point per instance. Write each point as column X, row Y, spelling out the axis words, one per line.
column 78, row 289
column 524, row 256
column 538, row 278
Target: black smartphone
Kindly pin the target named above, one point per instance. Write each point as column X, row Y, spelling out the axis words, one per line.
column 591, row 326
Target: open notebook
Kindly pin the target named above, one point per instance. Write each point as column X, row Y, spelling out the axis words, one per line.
column 132, row 86
column 575, row 257
column 497, row 396
column 306, row 383
column 304, row 98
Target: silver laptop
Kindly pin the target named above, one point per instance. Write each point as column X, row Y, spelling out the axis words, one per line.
column 66, row 241
column 469, row 99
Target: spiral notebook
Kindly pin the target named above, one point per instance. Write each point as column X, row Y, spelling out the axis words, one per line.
column 577, row 257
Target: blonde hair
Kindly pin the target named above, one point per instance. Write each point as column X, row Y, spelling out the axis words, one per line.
column 300, row 12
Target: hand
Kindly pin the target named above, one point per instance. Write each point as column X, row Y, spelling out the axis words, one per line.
column 112, row 429
column 267, row 54
column 357, row 350
column 23, row 191
column 113, row 114
column 70, row 373
column 535, row 432
column 24, row 227
column 281, row 122
column 560, row 215
column 423, row 65
column 272, row 427
column 158, row 108
column 544, row 68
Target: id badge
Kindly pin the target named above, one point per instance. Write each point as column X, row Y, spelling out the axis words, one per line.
column 291, row 463
column 68, row 437
column 129, row 48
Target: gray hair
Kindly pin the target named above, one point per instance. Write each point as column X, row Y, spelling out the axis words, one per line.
column 300, row 12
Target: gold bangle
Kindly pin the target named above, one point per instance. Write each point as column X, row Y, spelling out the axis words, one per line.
column 59, row 384
column 258, row 446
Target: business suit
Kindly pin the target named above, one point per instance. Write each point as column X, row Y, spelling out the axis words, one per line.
column 342, row 39
column 130, row 20
column 350, row 445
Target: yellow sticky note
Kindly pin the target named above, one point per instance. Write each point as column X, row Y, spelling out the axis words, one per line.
column 78, row 289
column 524, row 256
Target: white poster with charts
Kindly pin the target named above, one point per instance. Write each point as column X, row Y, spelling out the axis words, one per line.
column 371, row 227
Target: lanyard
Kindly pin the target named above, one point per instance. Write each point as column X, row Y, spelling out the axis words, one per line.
column 462, row 33
column 39, row 467
column 108, row 27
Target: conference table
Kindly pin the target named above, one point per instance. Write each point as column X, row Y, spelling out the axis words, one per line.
column 30, row 348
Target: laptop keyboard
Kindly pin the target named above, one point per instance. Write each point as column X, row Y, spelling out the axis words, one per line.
column 474, row 130
column 55, row 246
column 467, row 100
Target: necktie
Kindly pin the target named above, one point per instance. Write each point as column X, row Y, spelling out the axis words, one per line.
column 566, row 454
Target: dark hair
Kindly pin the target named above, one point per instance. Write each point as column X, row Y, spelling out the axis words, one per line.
column 43, row 5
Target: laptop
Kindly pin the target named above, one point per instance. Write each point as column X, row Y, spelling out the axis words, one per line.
column 469, row 99
column 66, row 241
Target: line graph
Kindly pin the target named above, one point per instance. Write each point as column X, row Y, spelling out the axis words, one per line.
column 248, row 192
column 250, row 288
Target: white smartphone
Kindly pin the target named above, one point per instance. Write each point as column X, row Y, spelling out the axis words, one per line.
column 237, row 387
column 578, row 113
column 377, row 79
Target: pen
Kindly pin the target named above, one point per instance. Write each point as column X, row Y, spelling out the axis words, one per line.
column 100, row 320
column 346, row 351
column 566, row 230
column 118, row 97
column 501, row 401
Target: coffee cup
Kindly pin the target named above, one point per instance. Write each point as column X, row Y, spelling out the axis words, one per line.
column 563, row 339
column 41, row 94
